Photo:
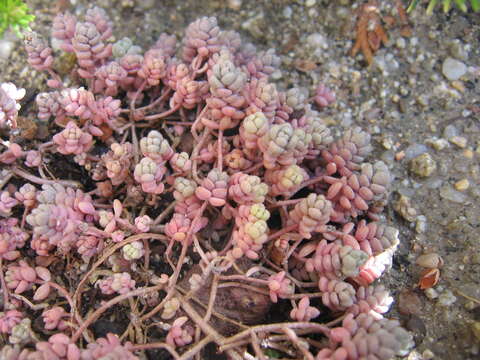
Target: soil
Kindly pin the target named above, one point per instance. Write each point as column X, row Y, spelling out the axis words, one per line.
column 403, row 99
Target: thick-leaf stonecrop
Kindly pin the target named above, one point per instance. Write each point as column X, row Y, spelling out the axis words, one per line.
column 209, row 194
column 14, row 14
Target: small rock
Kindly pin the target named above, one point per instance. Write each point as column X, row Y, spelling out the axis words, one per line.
column 476, row 329
column 447, row 192
column 255, row 26
column 235, row 4
column 317, row 41
column 404, row 207
column 437, row 144
column 450, row 131
column 431, row 293
column 460, row 141
column 428, row 355
column 447, row 298
column 468, row 153
column 415, row 150
column 462, row 185
column 421, row 224
column 6, row 48
column 423, row 165
column 401, row 43
column 409, row 303
column 458, row 51
column 287, row 12
column 310, row 3
column 453, row 69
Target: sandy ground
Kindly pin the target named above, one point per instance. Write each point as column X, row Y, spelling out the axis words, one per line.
column 403, row 99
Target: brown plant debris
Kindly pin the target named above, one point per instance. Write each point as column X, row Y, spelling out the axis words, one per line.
column 369, row 31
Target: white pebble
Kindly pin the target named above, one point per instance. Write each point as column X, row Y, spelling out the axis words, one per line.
column 6, row 48
column 453, row 69
column 447, row 298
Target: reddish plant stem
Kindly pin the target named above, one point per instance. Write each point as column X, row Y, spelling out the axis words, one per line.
column 294, row 338
column 6, row 179
column 176, row 274
column 35, row 179
column 96, row 314
column 256, row 347
column 186, row 244
column 313, row 327
column 285, row 203
column 253, row 168
column 157, row 100
column 69, row 299
column 199, row 249
column 4, row 285
column 244, row 286
column 211, row 301
column 220, row 150
column 197, row 119
column 134, row 99
column 156, row 345
column 178, row 123
column 283, row 231
column 199, row 345
column 195, row 152
column 244, row 278
column 206, row 328
column 309, row 182
column 106, row 254
column 164, row 213
column 162, row 114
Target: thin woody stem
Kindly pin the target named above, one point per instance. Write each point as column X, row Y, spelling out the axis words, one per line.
column 35, row 179
column 106, row 254
column 283, row 231
column 156, row 345
column 96, row 314
column 163, row 114
column 314, row 327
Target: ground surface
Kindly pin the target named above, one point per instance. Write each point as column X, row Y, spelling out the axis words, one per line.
column 404, row 100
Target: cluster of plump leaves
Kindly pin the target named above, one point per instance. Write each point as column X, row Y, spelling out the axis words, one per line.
column 14, row 14
column 447, row 5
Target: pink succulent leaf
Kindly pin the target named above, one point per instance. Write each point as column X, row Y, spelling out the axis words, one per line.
column 39, row 53
column 280, row 286
column 324, row 96
column 179, row 333
column 9, row 319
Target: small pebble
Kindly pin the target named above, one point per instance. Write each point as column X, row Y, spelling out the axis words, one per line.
column 460, row 141
column 404, row 207
column 453, row 69
column 409, row 303
column 6, row 48
column 310, row 3
column 421, row 224
column 415, row 150
column 401, row 43
column 437, row 144
column 235, row 4
column 431, row 293
column 423, row 165
column 458, row 85
column 450, row 131
column 428, row 355
column 430, row 261
column 476, row 329
column 449, row 193
column 447, row 298
column 462, row 185
column 468, row 153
